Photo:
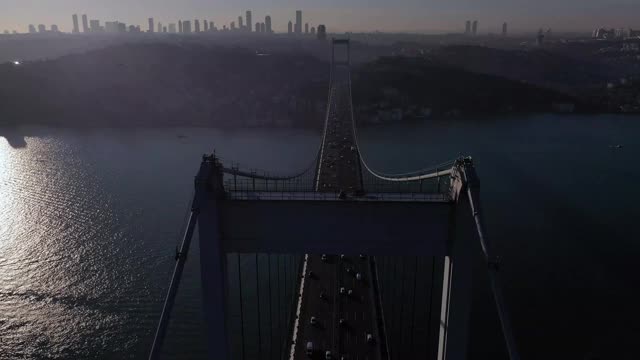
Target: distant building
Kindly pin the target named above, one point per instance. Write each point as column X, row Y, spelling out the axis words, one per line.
column 94, row 26
column 247, row 17
column 211, row 27
column 85, row 23
column 467, row 28
column 474, row 28
column 172, row 28
column 54, row 28
column 42, row 28
column 313, row 30
column 504, row 29
column 151, row 29
column 257, row 27
column 164, row 29
column 540, row 38
column 240, row 23
column 603, row 34
column 232, row 26
column 267, row 23
column 196, row 25
column 32, row 29
column 306, row 28
column 206, row 25
column 298, row 28
column 263, row 28
column 76, row 26
column 115, row 27
column 289, row 27
column 186, row 27
column 180, row 28
column 159, row 27
column 634, row 33
column 322, row 32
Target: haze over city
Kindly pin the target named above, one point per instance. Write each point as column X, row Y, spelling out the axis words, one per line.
column 340, row 16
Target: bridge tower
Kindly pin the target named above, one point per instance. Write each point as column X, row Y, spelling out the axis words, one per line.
column 338, row 205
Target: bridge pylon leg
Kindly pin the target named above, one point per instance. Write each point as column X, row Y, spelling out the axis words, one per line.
column 457, row 283
column 213, row 261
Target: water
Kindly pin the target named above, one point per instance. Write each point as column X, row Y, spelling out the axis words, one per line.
column 89, row 220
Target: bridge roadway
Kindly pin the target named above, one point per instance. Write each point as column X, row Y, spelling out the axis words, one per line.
column 338, row 170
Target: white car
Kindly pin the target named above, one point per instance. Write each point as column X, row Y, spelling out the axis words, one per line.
column 358, row 276
column 370, row 338
column 313, row 321
column 342, row 291
column 328, row 355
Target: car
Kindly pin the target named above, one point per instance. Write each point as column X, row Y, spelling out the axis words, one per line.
column 323, row 257
column 350, row 292
column 341, row 322
column 358, row 276
column 328, row 355
column 341, row 256
column 370, row 338
column 309, row 348
column 361, row 256
column 342, row 291
column 313, row 321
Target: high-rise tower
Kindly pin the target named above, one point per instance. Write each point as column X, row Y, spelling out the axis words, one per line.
column 76, row 27
column 248, row 19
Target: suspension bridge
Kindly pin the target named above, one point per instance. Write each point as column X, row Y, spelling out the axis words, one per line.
column 337, row 261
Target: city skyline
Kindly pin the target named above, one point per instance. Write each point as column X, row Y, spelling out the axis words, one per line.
column 430, row 16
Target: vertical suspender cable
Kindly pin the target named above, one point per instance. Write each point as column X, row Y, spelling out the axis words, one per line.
column 241, row 312
column 270, row 311
column 258, row 301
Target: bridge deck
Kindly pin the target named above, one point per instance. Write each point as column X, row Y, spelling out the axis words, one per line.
column 332, row 291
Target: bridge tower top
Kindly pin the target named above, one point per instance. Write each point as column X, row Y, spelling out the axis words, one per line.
column 340, row 43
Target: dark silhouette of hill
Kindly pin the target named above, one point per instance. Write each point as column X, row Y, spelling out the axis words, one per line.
column 545, row 68
column 417, row 82
column 165, row 84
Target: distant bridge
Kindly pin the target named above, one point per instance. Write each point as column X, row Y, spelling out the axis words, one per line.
column 345, row 294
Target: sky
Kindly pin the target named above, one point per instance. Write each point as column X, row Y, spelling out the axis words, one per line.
column 338, row 15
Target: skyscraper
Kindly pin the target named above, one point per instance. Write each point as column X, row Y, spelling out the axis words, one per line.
column 504, row 29
column 322, row 32
column 267, row 23
column 313, row 30
column 94, row 25
column 306, row 28
column 196, row 25
column 247, row 17
column 211, row 27
column 289, row 26
column 467, row 28
column 206, row 25
column 41, row 28
column 76, row 27
column 172, row 28
column 240, row 24
column 159, row 27
column 32, row 29
column 263, row 28
column 85, row 23
column 232, row 26
column 150, row 25
column 298, row 28
column 180, row 29
column 186, row 27
column 475, row 27
column 257, row 27
column 54, row 28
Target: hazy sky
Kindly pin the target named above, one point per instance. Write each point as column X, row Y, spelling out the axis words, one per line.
column 338, row 15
